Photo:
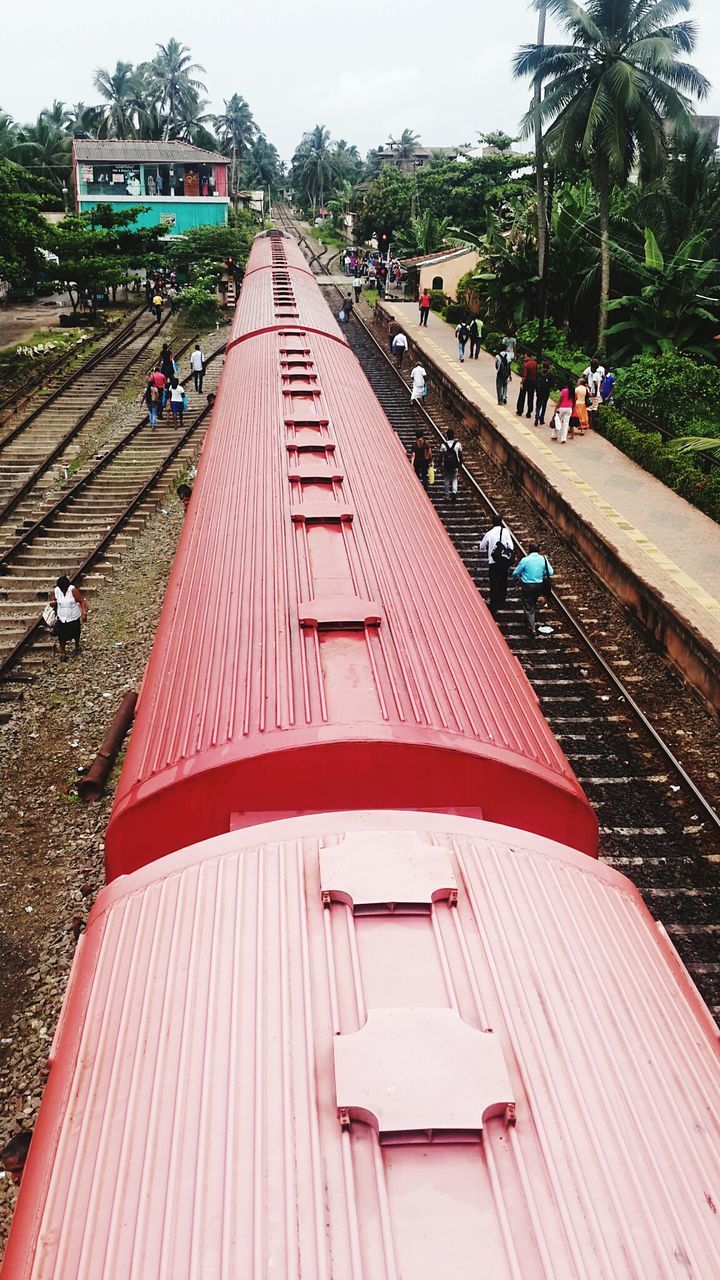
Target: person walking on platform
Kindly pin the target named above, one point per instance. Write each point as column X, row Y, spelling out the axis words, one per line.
column 607, row 388
column 421, row 459
column 563, row 413
column 500, row 550
column 594, row 375
column 582, row 399
column 533, row 572
column 399, row 348
column 424, row 304
column 542, row 393
column 462, row 333
column 418, row 381
column 476, row 328
column 503, row 374
column 451, row 454
column 528, row 385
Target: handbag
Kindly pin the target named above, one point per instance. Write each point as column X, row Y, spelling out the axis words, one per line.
column 49, row 617
column 431, row 475
column 546, row 585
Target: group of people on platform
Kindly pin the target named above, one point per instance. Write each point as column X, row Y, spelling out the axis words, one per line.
column 578, row 401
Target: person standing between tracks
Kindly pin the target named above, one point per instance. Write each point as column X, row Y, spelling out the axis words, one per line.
column 357, row 288
column 197, row 365
column 462, row 333
column 542, row 393
column 528, row 386
column 533, row 572
column 347, row 307
column 393, row 330
column 160, row 381
column 503, row 374
column 451, row 454
column 71, row 608
column 418, row 383
column 476, row 328
column 177, row 400
column 399, row 348
column 424, row 305
column 421, row 459
column 152, row 397
column 157, row 305
column 500, row 551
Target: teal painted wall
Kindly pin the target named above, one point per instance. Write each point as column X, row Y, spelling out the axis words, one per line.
column 203, row 212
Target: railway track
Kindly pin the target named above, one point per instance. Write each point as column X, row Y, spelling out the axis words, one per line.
column 33, row 451
column 657, row 823
column 84, row 533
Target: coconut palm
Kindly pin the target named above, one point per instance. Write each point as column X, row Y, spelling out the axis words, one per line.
column 84, row 119
column 8, row 136
column 262, row 164
column 238, row 131
column 312, row 167
column 171, row 78
column 45, row 150
column 121, row 90
column 426, row 234
column 404, row 146
column 610, row 94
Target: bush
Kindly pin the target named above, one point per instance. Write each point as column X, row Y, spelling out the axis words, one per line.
column 676, row 391
column 437, row 299
column 651, row 452
column 457, row 312
column 199, row 302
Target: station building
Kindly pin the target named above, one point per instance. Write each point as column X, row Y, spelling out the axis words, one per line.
column 441, row 270
column 179, row 185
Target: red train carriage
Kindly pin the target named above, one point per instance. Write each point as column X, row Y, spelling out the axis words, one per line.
column 375, row 1045
column 321, row 645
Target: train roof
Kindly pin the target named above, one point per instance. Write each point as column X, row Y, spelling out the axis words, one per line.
column 321, row 644
column 375, row 1045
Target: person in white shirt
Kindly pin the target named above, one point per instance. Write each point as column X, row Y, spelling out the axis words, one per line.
column 593, row 375
column 197, row 365
column 418, row 380
column 500, row 550
column 177, row 400
column 399, row 347
column 451, row 457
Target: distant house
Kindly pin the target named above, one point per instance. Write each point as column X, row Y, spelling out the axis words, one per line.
column 180, row 186
column 441, row 270
column 419, row 157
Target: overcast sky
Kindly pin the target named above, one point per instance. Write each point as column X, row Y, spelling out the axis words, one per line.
column 440, row 69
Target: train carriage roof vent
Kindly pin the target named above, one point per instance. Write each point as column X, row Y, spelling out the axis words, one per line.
column 340, row 613
column 387, row 871
column 421, row 1075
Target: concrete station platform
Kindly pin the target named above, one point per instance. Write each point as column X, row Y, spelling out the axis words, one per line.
column 657, row 552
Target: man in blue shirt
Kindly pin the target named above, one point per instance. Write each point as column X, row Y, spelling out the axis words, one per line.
column 532, row 571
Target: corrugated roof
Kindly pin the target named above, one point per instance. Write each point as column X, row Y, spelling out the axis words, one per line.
column 141, row 151
column 217, row 1015
column 305, row 500
column 429, row 259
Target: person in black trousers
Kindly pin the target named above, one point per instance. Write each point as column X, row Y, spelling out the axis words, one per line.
column 542, row 393
column 475, row 334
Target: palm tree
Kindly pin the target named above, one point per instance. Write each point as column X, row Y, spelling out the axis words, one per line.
column 404, row 147
column 8, row 136
column 312, row 167
column 427, row 234
column 45, row 149
column 262, row 164
column 611, row 93
column 238, row 131
column 171, row 78
column 120, row 89
column 57, row 115
column 84, row 119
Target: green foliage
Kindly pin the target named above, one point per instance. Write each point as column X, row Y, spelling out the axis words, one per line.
column 426, row 234
column 22, row 228
column 437, row 299
column 208, row 248
column 387, row 203
column 677, row 471
column 98, row 257
column 466, row 191
column 677, row 392
column 556, row 346
column 455, row 312
column 677, row 307
column 199, row 302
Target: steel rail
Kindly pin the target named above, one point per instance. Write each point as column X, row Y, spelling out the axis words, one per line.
column 37, row 625
column 77, row 426
column 115, row 344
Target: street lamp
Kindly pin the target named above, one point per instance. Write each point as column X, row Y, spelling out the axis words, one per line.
column 65, row 194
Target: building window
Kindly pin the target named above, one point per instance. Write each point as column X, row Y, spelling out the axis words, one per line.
column 437, row 282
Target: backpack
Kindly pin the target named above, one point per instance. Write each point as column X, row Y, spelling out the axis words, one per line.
column 451, row 462
column 501, row 552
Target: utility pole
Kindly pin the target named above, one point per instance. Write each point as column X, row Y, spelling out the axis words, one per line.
column 542, row 217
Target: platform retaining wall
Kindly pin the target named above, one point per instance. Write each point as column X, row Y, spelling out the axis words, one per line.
column 675, row 636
